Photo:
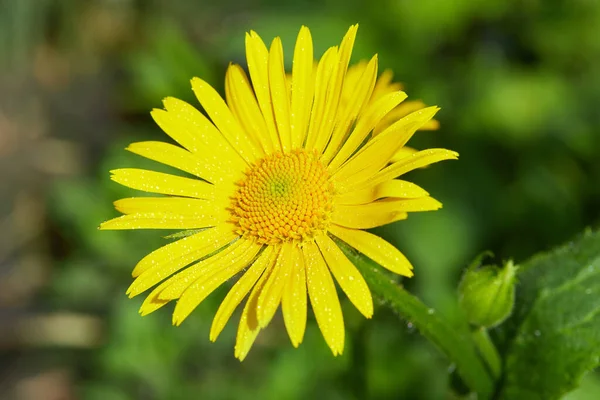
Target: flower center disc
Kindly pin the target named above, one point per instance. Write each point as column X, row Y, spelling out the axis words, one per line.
column 283, row 197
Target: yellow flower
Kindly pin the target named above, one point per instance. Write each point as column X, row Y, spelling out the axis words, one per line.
column 284, row 169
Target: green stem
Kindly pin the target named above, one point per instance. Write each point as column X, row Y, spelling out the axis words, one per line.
column 457, row 345
column 488, row 351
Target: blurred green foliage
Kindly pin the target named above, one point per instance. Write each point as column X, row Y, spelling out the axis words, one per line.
column 518, row 83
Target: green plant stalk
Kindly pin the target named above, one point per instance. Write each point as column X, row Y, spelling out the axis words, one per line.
column 458, row 346
column 488, row 351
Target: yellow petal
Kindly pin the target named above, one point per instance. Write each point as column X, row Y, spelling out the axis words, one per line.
column 371, row 117
column 293, row 301
column 393, row 188
column 279, row 93
column 324, row 299
column 174, row 156
column 403, row 152
column 152, row 302
column 243, row 104
column 385, row 85
column 378, row 151
column 246, row 335
column 402, row 166
column 249, row 328
column 156, row 299
column 351, row 80
column 375, row 248
column 302, row 86
column 173, row 287
column 257, row 57
column 270, row 297
column 161, row 220
column 201, row 269
column 240, row 290
column 158, row 182
column 219, row 113
column 212, row 275
column 170, row 205
column 169, row 259
column 400, row 112
column 432, row 125
column 344, row 120
column 315, row 138
column 334, row 90
column 346, row 275
column 367, row 216
column 196, row 133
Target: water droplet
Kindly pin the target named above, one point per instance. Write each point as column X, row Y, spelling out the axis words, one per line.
column 431, row 311
column 588, row 291
column 537, row 333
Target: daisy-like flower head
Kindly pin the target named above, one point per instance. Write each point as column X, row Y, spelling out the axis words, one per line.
column 280, row 169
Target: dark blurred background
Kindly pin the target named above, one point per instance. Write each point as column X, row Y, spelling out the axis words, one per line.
column 518, row 82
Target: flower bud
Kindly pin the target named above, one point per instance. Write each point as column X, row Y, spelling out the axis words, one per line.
column 487, row 294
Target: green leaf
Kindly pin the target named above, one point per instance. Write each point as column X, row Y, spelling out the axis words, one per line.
column 456, row 344
column 553, row 336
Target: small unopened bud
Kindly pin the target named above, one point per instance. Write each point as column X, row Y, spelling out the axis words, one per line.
column 487, row 294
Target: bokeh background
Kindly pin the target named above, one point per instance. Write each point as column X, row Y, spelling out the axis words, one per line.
column 518, row 82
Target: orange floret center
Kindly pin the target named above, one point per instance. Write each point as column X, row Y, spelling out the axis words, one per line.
column 283, row 197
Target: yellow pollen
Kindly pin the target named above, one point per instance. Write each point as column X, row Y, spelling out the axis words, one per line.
column 283, row 197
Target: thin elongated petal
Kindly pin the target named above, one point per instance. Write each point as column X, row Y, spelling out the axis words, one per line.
column 249, row 328
column 344, row 120
column 279, row 94
column 346, row 275
column 219, row 113
column 203, row 268
column 240, row 290
column 197, row 134
column 366, row 123
column 403, row 152
column 375, row 248
column 161, row 220
column 323, row 80
column 243, row 104
column 184, row 206
column 169, row 259
column 270, row 297
column 393, row 188
column 213, row 275
column 334, row 91
column 302, row 86
column 189, row 244
column 257, row 57
column 351, row 80
column 385, row 85
column 152, row 302
column 246, row 334
column 158, row 182
column 323, row 298
column 173, row 287
column 366, row 216
column 174, row 156
column 406, row 164
column 293, row 301
column 400, row 112
column 379, row 150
